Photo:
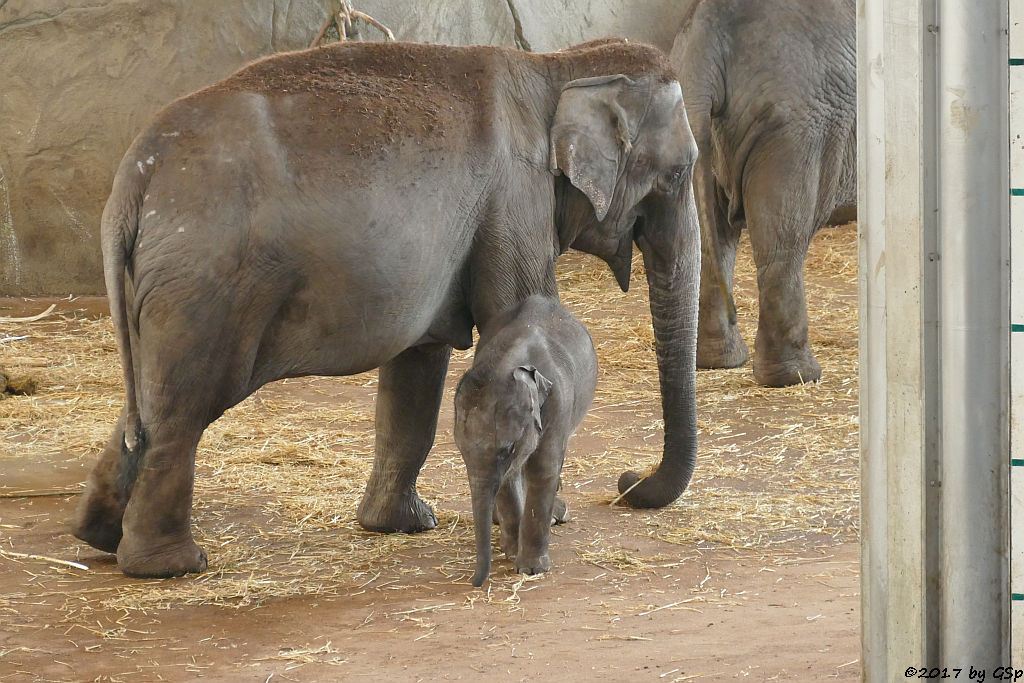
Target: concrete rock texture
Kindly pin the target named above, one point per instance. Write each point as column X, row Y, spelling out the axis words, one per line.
column 80, row 79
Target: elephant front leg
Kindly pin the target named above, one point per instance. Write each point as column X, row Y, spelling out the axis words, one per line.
column 408, row 398
column 509, row 512
column 542, row 471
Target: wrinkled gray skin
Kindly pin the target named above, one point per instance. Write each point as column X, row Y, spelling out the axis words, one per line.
column 770, row 90
column 365, row 205
column 530, row 386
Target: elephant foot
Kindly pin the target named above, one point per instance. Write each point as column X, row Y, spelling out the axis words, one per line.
column 728, row 352
column 804, row 368
column 165, row 561
column 98, row 517
column 386, row 514
column 537, row 564
column 559, row 513
column 510, row 545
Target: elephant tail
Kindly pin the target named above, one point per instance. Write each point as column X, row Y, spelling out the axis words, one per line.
column 119, row 228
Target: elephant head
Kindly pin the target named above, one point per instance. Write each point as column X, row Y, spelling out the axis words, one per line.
column 624, row 152
column 497, row 426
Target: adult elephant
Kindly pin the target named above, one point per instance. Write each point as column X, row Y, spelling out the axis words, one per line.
column 365, row 205
column 770, row 90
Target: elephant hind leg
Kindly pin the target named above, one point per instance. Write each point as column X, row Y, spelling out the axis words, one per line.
column 719, row 342
column 139, row 503
column 781, row 202
column 97, row 519
column 157, row 539
column 411, row 386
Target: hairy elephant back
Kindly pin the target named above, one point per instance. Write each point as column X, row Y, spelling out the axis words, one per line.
column 388, row 92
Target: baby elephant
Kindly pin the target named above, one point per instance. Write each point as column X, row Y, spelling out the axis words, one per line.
column 531, row 383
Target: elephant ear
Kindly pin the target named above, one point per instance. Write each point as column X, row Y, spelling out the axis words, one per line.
column 530, row 390
column 530, row 382
column 592, row 134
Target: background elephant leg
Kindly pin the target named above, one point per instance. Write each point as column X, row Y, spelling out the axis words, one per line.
column 408, row 399
column 98, row 516
column 542, row 471
column 780, row 218
column 509, row 512
column 157, row 538
column 719, row 342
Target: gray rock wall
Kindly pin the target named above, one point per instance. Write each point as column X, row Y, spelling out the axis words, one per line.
column 79, row 79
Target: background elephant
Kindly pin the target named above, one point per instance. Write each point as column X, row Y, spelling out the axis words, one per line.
column 532, row 381
column 770, row 90
column 365, row 205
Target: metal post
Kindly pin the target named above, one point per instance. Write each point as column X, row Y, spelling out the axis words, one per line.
column 973, row 210
column 871, row 233
column 932, row 82
column 896, row 86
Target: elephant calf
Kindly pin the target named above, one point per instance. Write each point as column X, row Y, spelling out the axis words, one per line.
column 531, row 383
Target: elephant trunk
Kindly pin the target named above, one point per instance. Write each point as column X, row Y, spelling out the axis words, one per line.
column 483, row 490
column 673, row 268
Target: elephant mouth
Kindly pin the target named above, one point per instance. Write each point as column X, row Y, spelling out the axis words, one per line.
column 620, row 256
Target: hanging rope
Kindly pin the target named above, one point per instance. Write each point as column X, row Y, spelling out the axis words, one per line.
column 341, row 15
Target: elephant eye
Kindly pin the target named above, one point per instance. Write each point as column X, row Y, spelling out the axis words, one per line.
column 674, row 177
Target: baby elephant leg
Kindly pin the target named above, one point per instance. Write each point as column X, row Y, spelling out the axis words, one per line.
column 559, row 511
column 542, row 472
column 508, row 511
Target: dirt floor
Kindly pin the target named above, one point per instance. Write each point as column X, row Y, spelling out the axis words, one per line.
column 752, row 574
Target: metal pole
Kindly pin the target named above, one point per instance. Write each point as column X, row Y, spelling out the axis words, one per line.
column 974, row 333
column 896, row 81
column 871, row 233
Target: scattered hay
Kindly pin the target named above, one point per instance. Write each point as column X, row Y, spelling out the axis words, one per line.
column 776, row 466
column 279, row 476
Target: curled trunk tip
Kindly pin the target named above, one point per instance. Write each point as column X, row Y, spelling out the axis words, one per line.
column 653, row 491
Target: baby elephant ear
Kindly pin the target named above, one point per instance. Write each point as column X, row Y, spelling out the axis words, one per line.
column 591, row 136
column 533, row 387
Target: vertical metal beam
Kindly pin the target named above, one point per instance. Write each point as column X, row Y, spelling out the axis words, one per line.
column 896, row 81
column 974, row 237
column 908, row 94
column 934, row 210
column 871, row 233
